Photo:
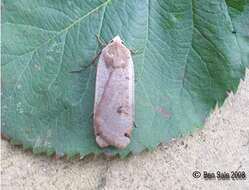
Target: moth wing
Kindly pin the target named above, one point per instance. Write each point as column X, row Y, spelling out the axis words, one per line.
column 114, row 104
column 102, row 75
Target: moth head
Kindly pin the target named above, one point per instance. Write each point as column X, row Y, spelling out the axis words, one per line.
column 117, row 39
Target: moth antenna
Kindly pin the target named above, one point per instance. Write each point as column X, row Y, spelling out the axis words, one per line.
column 95, row 58
column 134, row 51
column 86, row 66
column 100, row 40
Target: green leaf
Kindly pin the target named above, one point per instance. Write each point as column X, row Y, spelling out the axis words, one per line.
column 189, row 59
column 239, row 12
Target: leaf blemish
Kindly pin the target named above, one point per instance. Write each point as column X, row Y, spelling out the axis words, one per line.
column 166, row 114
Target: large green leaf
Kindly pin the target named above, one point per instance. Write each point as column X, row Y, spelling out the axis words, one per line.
column 189, row 58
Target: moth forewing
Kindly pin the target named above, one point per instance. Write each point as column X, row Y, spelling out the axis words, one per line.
column 114, row 96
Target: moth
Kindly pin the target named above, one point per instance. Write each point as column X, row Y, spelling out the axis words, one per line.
column 114, row 96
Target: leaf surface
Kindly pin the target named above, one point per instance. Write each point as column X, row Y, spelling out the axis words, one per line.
column 189, row 58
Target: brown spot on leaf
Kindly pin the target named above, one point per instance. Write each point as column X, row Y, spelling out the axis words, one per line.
column 166, row 114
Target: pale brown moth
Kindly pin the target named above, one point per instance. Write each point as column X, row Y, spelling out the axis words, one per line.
column 114, row 96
